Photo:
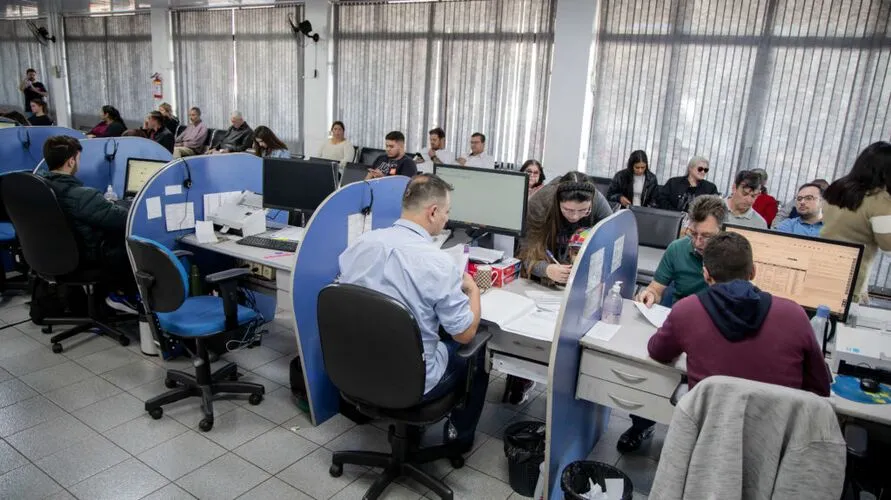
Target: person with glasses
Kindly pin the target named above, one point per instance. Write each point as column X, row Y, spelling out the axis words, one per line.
column 536, row 174
column 809, row 205
column 681, row 266
column 788, row 210
column 477, row 156
column 746, row 188
column 678, row 192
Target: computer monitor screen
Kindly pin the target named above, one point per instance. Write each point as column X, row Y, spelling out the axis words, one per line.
column 809, row 271
column 8, row 124
column 487, row 199
column 296, row 185
column 353, row 172
column 139, row 171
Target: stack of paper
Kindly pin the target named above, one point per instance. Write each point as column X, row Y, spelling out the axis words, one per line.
column 548, row 301
column 656, row 314
column 485, row 255
column 518, row 314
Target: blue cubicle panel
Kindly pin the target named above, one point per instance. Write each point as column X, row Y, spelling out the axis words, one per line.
column 103, row 161
column 574, row 425
column 21, row 148
column 317, row 266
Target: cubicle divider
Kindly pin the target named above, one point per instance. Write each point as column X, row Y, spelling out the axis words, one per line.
column 573, row 425
column 103, row 161
column 21, row 148
column 317, row 266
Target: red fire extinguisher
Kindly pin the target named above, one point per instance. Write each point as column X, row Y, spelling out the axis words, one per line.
column 157, row 86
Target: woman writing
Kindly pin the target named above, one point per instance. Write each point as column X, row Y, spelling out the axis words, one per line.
column 533, row 169
column 267, row 145
column 337, row 148
column 635, row 185
column 111, row 125
column 40, row 116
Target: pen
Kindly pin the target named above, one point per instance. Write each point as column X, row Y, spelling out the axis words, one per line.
column 551, row 256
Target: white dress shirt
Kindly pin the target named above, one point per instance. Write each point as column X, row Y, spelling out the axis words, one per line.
column 481, row 160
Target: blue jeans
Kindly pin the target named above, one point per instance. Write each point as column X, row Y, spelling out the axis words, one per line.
column 464, row 419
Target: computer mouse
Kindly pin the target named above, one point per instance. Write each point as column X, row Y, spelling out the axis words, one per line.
column 869, row 385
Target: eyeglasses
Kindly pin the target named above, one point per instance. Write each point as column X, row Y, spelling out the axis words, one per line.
column 809, row 197
column 702, row 169
column 704, row 236
column 581, row 213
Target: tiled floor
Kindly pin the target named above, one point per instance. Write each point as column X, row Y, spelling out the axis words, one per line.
column 73, row 426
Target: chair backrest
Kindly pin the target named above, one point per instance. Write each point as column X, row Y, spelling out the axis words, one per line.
column 655, row 227
column 208, row 141
column 169, row 285
column 368, row 155
column 371, row 346
column 602, row 184
column 44, row 232
column 179, row 130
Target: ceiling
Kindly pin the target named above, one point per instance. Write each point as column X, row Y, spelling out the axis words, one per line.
column 30, row 8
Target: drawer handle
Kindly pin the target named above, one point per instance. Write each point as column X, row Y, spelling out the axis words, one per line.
column 535, row 347
column 627, row 376
column 625, row 403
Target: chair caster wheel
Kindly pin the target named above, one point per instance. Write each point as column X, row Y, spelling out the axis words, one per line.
column 170, row 383
column 336, row 470
column 156, row 413
column 205, row 424
column 457, row 462
column 47, row 330
column 57, row 348
column 125, row 341
column 255, row 399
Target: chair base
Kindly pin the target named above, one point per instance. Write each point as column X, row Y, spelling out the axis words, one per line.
column 103, row 327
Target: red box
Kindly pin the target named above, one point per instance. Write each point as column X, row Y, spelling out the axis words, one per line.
column 503, row 272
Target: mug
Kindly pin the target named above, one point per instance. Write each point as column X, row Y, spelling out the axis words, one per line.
column 485, row 277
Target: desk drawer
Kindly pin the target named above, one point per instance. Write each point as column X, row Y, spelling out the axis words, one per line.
column 625, row 398
column 661, row 382
column 520, row 346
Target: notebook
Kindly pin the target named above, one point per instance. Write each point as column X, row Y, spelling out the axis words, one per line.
column 518, row 314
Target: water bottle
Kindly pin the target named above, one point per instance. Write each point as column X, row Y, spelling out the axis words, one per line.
column 818, row 323
column 612, row 305
column 110, row 195
column 195, row 281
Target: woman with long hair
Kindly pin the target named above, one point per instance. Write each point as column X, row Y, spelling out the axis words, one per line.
column 857, row 208
column 635, row 185
column 171, row 122
column 40, row 115
column 533, row 169
column 111, row 125
column 337, row 147
column 267, row 145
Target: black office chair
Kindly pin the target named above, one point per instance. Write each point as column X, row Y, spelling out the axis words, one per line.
column 208, row 141
column 9, row 242
column 50, row 248
column 602, row 184
column 657, row 228
column 374, row 356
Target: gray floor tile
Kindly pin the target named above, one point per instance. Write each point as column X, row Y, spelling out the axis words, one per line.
column 16, row 344
column 56, row 377
column 32, row 361
column 357, row 489
column 10, row 458
column 276, row 450
column 641, row 470
column 27, row 482
column 224, row 478
column 134, row 374
column 234, row 428
column 62, row 495
column 489, row 458
column 181, row 455
column 14, row 390
column 321, row 434
column 605, row 449
column 108, row 359
column 278, row 371
column 254, row 357
column 85, row 344
column 639, row 496
column 188, row 411
column 310, row 475
column 495, row 390
column 274, row 489
column 50, row 437
column 362, row 438
column 5, row 375
column 144, row 433
column 495, row 417
column 279, row 406
column 253, row 378
column 171, row 492
column 470, row 483
column 111, row 412
column 129, row 480
column 537, row 408
column 14, row 313
column 27, row 414
column 82, row 460
column 652, row 448
column 83, row 393
column 283, row 341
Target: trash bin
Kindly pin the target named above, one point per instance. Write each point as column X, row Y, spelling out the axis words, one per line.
column 575, row 477
column 524, row 446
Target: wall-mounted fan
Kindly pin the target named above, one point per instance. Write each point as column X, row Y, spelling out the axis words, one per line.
column 40, row 33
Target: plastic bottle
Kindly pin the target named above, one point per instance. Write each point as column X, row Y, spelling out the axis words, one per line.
column 819, row 322
column 110, row 195
column 612, row 305
column 195, row 281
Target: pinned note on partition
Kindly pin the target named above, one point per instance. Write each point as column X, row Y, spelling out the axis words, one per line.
column 179, row 216
column 153, row 207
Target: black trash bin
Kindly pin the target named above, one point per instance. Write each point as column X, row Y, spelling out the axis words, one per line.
column 575, row 478
column 524, row 446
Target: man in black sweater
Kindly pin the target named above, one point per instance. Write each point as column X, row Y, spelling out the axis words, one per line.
column 238, row 138
column 394, row 161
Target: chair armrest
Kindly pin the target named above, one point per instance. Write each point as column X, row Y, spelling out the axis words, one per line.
column 856, row 439
column 471, row 348
column 227, row 275
column 228, row 282
column 183, row 253
column 682, row 388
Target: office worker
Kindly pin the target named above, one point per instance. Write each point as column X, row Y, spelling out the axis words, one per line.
column 31, row 88
column 678, row 192
column 39, row 115
column 746, row 188
column 268, row 145
column 635, row 185
column 171, row 122
column 191, row 140
column 394, row 161
column 809, row 205
column 788, row 210
column 337, row 147
column 732, row 328
column 477, row 157
column 857, row 208
column 554, row 214
column 112, row 125
column 534, row 170
column 403, row 262
column 239, row 136
column 765, row 205
column 157, row 131
column 436, row 152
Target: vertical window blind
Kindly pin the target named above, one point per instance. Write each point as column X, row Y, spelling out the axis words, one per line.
column 467, row 66
column 19, row 51
column 109, row 62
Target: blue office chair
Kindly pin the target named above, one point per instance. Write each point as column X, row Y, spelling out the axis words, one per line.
column 164, row 287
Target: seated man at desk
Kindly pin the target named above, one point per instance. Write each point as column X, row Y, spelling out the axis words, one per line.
column 394, row 161
column 98, row 223
column 746, row 187
column 809, row 205
column 732, row 328
column 403, row 262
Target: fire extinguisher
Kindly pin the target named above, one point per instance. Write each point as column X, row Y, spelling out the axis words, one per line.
column 157, row 86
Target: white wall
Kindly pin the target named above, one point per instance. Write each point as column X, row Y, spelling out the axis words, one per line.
column 317, row 68
column 162, row 57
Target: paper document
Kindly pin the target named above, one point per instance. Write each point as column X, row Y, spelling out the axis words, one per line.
column 459, row 256
column 204, row 232
column 485, row 255
column 549, row 301
column 153, row 207
column 213, row 201
column 518, row 314
column 179, row 216
column 602, row 331
column 655, row 315
column 290, row 233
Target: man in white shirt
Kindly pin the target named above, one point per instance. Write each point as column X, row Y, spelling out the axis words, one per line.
column 436, row 153
column 477, row 157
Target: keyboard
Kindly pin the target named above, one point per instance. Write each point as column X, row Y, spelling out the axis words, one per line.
column 269, row 243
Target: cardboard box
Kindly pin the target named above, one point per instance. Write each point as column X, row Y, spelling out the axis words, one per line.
column 503, row 272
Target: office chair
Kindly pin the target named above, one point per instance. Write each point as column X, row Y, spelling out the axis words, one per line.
column 375, row 358
column 164, row 288
column 50, row 248
column 657, row 228
column 10, row 243
column 602, row 184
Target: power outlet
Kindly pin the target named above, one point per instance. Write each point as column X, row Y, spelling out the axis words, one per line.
column 268, row 273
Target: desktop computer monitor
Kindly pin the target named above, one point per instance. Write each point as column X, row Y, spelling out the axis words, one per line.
column 810, row 271
column 353, row 172
column 297, row 185
column 139, row 171
column 490, row 200
column 8, row 124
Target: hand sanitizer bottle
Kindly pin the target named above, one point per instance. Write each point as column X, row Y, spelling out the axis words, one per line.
column 110, row 195
column 612, row 305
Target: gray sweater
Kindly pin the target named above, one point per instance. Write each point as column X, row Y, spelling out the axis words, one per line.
column 732, row 439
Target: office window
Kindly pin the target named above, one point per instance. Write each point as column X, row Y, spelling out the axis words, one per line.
column 244, row 59
column 109, row 62
column 19, row 51
column 467, row 66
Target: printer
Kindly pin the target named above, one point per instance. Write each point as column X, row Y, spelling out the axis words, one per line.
column 244, row 215
column 864, row 350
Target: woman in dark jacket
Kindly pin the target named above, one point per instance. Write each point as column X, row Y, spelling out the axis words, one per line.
column 635, row 185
